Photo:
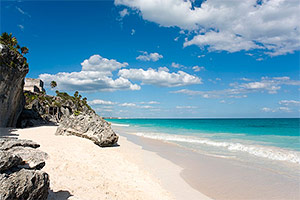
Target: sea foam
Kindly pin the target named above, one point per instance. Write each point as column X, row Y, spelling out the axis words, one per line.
column 115, row 124
column 273, row 153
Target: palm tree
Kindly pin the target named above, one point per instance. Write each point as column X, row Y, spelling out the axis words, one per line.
column 53, row 84
column 14, row 42
column 6, row 38
column 76, row 94
column 24, row 50
column 10, row 41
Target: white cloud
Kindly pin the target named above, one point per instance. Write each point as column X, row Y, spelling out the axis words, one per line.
column 128, row 104
column 185, row 107
column 21, row 27
column 289, row 102
column 289, row 106
column 99, row 64
column 150, row 102
column 267, row 109
column 198, row 69
column 215, row 81
column 135, row 105
column 23, row 12
column 103, row 110
column 100, row 102
column 95, row 75
column 280, row 109
column 245, row 79
column 132, row 32
column 149, row 57
column 237, row 90
column 270, row 26
column 123, row 13
column 146, row 107
column 176, row 65
column 160, row 77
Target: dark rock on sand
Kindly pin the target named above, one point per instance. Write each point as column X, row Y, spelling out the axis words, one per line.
column 8, row 143
column 8, row 160
column 20, row 177
column 24, row 184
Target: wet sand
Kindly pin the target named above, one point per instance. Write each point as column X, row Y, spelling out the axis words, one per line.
column 222, row 178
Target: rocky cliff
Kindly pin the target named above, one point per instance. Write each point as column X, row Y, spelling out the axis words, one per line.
column 73, row 114
column 13, row 69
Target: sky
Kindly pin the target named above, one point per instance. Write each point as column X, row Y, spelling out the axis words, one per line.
column 165, row 58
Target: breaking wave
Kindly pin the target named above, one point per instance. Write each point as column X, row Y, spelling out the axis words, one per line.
column 272, row 153
column 115, row 124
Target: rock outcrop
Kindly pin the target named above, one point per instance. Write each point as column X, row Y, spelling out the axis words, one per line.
column 20, row 177
column 13, row 69
column 89, row 126
column 41, row 108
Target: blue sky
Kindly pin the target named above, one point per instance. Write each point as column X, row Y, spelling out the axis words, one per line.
column 165, row 58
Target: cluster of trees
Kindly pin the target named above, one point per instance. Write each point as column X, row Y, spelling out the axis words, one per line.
column 77, row 96
column 12, row 43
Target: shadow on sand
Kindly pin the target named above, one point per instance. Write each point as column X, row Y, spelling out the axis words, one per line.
column 59, row 195
column 8, row 132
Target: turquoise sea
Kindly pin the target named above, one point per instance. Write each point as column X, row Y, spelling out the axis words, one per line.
column 276, row 140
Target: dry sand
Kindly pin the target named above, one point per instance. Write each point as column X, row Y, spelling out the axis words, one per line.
column 79, row 169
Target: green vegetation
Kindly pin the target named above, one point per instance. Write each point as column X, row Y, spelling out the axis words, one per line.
column 53, row 84
column 76, row 113
column 12, row 43
column 62, row 99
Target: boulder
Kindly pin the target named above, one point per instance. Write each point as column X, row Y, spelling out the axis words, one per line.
column 33, row 158
column 8, row 160
column 20, row 175
column 13, row 69
column 24, row 184
column 89, row 126
column 8, row 143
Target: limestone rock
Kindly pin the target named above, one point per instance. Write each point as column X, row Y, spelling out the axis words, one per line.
column 89, row 126
column 24, row 184
column 8, row 160
column 20, row 177
column 33, row 158
column 8, row 143
column 13, row 69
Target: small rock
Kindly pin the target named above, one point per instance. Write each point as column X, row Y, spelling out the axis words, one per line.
column 7, row 143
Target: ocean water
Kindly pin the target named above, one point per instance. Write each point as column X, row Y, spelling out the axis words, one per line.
column 251, row 140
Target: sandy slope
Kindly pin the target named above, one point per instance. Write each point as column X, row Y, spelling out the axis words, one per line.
column 79, row 169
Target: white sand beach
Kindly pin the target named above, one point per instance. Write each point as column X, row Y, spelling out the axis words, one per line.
column 79, row 169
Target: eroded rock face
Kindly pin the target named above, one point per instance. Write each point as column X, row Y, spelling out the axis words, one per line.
column 13, row 69
column 89, row 126
column 24, row 184
column 20, row 177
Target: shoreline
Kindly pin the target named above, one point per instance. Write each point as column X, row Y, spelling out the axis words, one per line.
column 79, row 169
column 143, row 168
column 222, row 178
